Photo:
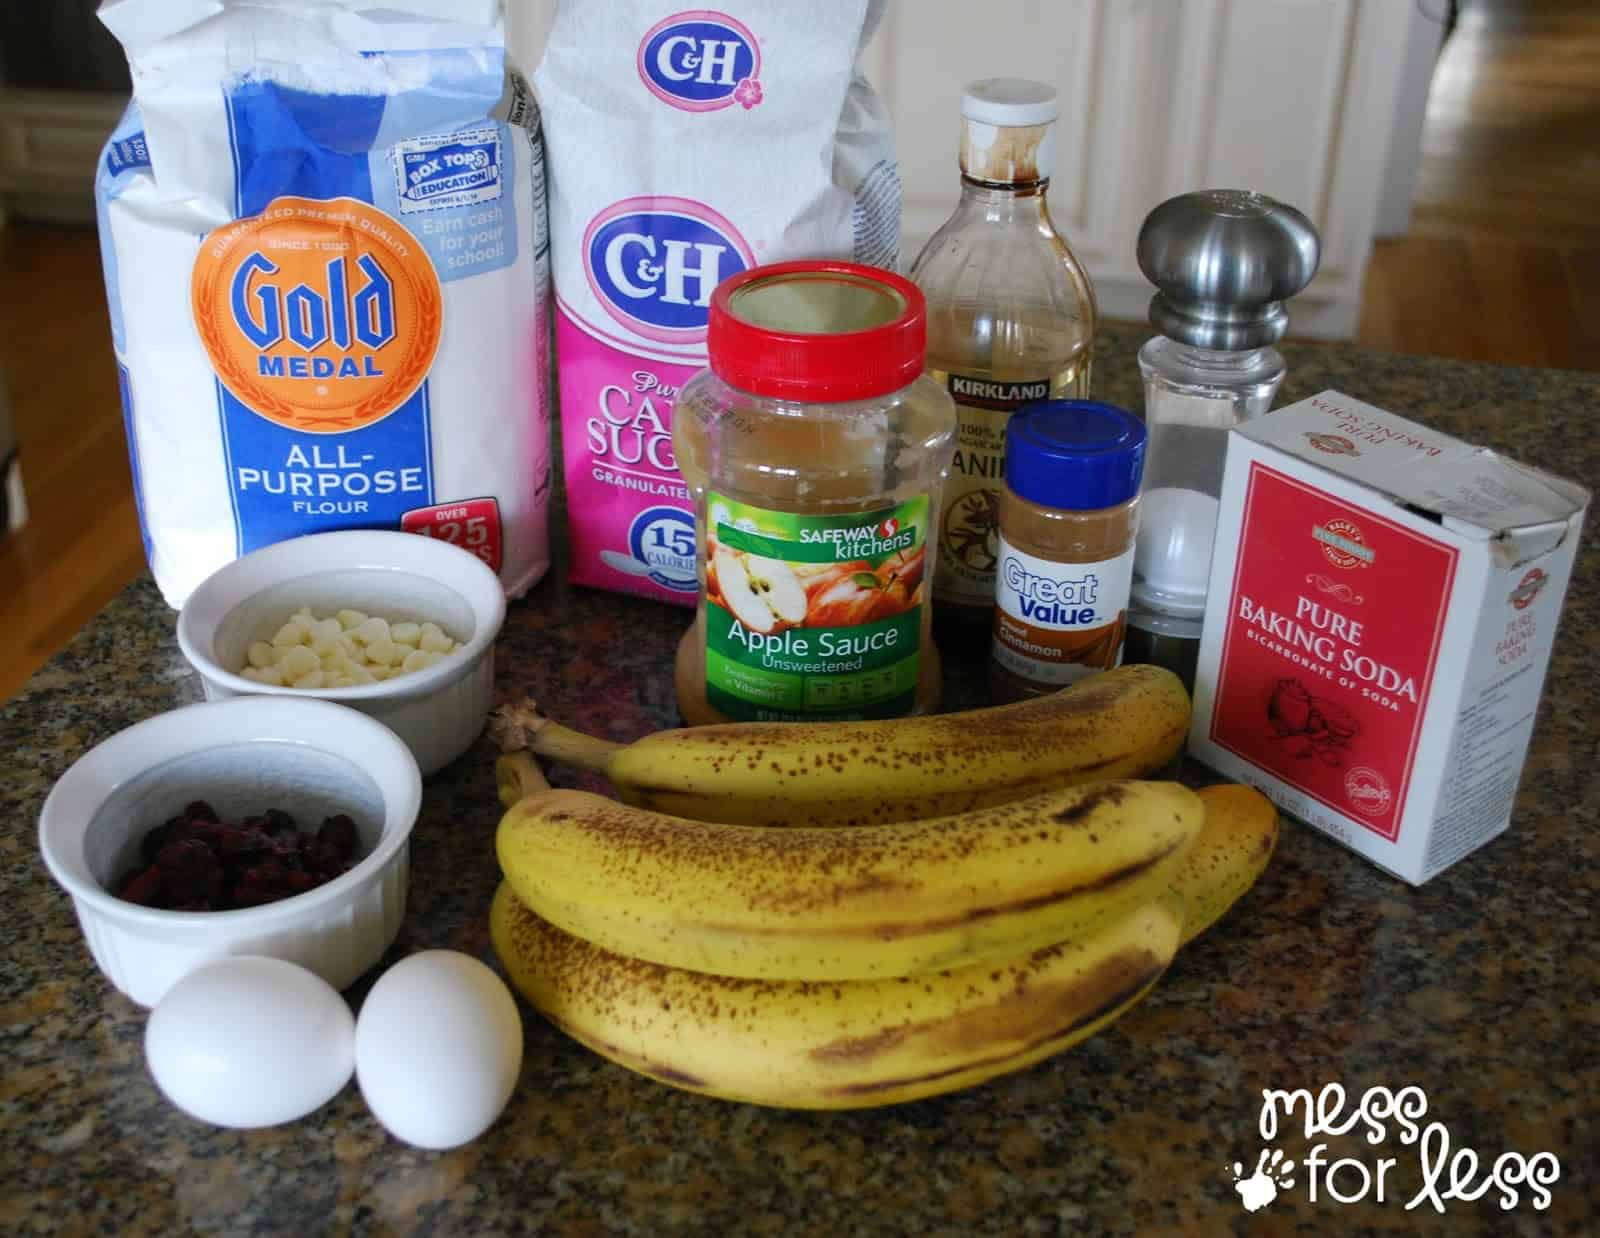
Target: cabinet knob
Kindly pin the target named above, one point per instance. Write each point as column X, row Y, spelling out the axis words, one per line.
column 1225, row 261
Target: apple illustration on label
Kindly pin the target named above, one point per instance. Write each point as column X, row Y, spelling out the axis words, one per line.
column 763, row 594
column 902, row 579
column 821, row 576
column 904, row 570
column 848, row 594
column 851, row 600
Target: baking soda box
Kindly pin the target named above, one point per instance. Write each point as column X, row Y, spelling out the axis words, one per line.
column 1383, row 603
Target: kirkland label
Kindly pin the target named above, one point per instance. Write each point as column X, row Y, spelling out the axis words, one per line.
column 1333, row 631
column 814, row 617
column 970, row 529
column 1057, row 622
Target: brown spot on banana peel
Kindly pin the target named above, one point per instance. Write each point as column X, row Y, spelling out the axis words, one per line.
column 874, row 808
column 1233, row 848
column 633, row 1061
column 1078, row 814
column 1032, row 725
column 862, row 1048
column 683, row 802
column 893, row 932
column 1028, row 1018
column 554, row 969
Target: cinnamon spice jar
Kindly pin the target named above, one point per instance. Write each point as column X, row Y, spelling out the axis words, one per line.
column 1068, row 517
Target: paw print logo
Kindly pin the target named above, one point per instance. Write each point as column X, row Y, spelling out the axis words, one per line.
column 1273, row 1174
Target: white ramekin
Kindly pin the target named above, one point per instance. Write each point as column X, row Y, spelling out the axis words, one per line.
column 305, row 757
column 438, row 711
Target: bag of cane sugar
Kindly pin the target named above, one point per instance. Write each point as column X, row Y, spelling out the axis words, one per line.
column 323, row 230
column 686, row 146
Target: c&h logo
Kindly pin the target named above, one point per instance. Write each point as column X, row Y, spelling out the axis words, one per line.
column 701, row 61
column 653, row 263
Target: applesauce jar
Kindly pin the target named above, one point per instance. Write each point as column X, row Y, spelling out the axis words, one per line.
column 816, row 453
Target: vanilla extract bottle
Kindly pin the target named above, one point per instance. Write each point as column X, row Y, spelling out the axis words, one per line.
column 1011, row 320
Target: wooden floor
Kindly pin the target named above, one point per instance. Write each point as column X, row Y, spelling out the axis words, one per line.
column 1502, row 260
column 1502, row 264
column 81, row 543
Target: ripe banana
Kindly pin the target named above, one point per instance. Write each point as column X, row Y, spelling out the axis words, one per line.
column 823, row 904
column 808, row 1045
column 1231, row 851
column 1125, row 723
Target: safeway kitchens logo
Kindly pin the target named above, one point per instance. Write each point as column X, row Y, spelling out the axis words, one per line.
column 1447, row 1175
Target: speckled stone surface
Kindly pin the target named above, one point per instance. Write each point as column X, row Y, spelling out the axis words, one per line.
column 1479, row 988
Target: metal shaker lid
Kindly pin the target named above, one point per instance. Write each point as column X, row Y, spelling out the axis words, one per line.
column 1225, row 261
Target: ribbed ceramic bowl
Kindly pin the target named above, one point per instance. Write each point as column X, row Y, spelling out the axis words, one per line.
column 438, row 711
column 244, row 756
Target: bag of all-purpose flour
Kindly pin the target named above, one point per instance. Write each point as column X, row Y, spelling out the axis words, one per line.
column 326, row 260
column 687, row 145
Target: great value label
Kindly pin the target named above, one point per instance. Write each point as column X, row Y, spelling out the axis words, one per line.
column 1057, row 622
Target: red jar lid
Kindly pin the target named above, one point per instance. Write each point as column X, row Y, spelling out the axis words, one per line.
column 817, row 331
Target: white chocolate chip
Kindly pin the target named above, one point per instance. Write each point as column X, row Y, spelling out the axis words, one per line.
column 372, row 630
column 299, row 661
column 344, row 650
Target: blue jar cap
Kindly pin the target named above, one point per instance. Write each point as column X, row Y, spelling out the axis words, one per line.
column 1078, row 455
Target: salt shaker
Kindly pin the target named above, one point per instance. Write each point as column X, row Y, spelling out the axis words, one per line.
column 1224, row 262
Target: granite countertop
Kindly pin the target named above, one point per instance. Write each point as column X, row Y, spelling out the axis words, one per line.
column 1478, row 988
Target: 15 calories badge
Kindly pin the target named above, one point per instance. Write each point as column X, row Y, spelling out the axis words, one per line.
column 1383, row 1118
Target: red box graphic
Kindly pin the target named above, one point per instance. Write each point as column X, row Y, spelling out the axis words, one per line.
column 473, row 524
column 1333, row 632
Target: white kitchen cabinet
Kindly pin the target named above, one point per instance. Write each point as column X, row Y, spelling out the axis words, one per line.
column 1294, row 98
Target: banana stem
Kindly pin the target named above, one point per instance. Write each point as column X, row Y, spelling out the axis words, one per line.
column 521, row 725
column 560, row 743
column 517, row 776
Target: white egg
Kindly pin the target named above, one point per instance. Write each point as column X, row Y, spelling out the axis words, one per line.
column 438, row 1049
column 248, row 1041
